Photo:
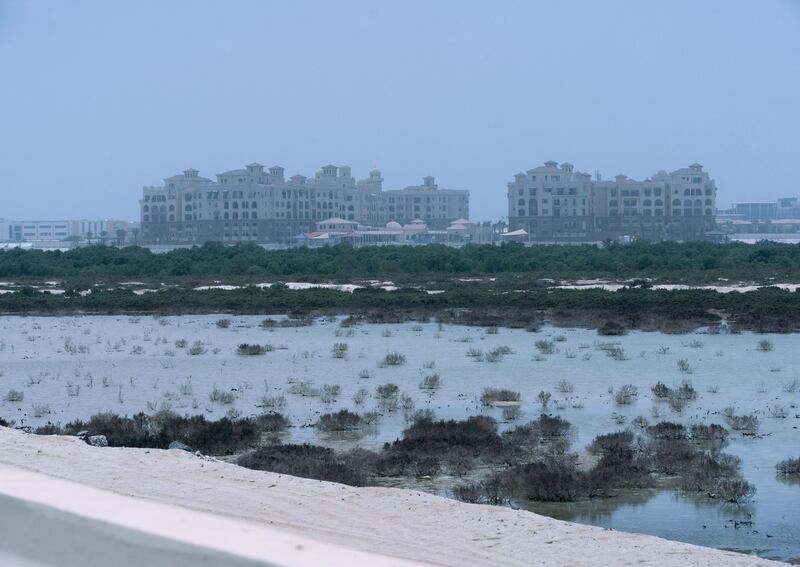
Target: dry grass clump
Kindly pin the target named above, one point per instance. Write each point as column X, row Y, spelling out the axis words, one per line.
column 393, row 359
column 339, row 350
column 788, row 467
column 626, row 394
column 253, row 349
column 431, row 382
column 14, row 396
column 221, row 396
column 493, row 395
column 343, row 420
column 747, row 423
column 764, row 345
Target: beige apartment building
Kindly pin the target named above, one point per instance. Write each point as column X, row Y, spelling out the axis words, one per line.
column 261, row 205
column 553, row 203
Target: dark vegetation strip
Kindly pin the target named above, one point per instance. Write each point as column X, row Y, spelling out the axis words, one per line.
column 677, row 262
column 767, row 309
column 532, row 461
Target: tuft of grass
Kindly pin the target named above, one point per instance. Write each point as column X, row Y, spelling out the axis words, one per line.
column 564, row 387
column 764, row 345
column 14, row 396
column 430, row 382
column 343, row 420
column 339, row 350
column 221, row 396
column 626, row 394
column 247, row 349
column 393, row 359
column 493, row 395
column 197, row 348
column 788, row 467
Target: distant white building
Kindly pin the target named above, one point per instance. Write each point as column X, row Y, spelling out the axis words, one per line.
column 59, row 230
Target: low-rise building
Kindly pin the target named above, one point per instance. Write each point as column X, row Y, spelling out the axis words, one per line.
column 111, row 231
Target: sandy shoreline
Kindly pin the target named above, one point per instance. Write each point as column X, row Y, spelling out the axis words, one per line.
column 398, row 523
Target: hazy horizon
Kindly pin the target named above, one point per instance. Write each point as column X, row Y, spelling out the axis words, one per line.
column 103, row 98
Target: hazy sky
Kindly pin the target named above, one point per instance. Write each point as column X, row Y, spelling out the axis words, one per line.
column 98, row 98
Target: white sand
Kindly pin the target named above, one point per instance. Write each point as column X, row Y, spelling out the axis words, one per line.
column 398, row 523
column 101, row 525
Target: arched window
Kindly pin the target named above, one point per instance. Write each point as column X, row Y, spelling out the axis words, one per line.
column 186, row 208
column 647, row 203
column 659, row 203
column 225, row 216
column 236, row 204
column 235, row 216
column 698, row 203
column 708, row 202
column 245, row 216
column 521, row 202
column 172, row 208
column 171, row 218
column 254, row 205
column 254, row 215
column 146, row 218
column 146, row 209
column 676, row 202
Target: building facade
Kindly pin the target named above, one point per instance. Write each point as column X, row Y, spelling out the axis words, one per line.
column 261, row 205
column 553, row 203
column 46, row 230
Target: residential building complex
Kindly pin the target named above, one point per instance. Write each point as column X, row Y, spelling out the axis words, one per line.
column 553, row 203
column 258, row 204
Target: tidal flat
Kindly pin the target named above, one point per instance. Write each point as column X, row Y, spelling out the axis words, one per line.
column 59, row 369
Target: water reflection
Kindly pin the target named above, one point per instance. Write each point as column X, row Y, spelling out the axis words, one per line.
column 590, row 510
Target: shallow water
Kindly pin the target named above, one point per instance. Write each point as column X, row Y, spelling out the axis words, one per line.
column 127, row 365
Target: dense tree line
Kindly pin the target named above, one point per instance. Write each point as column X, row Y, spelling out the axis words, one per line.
column 688, row 262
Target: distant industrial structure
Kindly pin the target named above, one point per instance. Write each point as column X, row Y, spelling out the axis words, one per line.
column 552, row 203
column 58, row 232
column 260, row 205
column 784, row 208
column 768, row 220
